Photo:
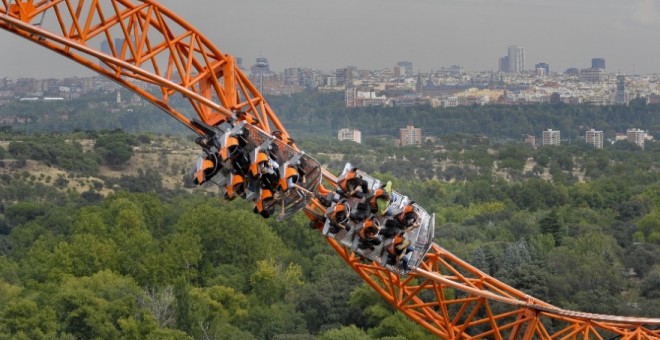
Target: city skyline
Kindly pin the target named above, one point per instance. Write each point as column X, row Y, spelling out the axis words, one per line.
column 338, row 33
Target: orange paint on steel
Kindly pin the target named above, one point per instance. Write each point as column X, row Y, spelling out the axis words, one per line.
column 446, row 295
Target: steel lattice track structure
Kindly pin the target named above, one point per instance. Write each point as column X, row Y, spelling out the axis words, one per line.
column 149, row 44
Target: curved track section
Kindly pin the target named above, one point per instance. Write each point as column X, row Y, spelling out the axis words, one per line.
column 148, row 44
column 454, row 300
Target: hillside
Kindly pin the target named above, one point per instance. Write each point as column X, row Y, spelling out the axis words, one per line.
column 101, row 238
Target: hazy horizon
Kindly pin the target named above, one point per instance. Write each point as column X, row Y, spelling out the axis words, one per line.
column 376, row 34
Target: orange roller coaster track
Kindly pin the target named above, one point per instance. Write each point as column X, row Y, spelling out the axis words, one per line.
column 150, row 44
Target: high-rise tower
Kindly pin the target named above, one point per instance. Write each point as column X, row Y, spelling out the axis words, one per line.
column 410, row 135
column 551, row 137
column 504, row 64
column 621, row 95
column 262, row 67
column 594, row 138
column 516, row 59
column 105, row 48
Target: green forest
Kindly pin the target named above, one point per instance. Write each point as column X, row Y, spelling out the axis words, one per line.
column 132, row 257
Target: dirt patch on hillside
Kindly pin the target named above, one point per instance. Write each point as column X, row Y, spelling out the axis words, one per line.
column 171, row 165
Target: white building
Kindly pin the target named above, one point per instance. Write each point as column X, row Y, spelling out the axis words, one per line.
column 551, row 137
column 355, row 98
column 449, row 102
column 636, row 136
column 353, row 135
column 594, row 138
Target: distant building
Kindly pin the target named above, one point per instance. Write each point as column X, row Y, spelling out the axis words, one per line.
column 355, row 98
column 551, row 137
column 345, row 75
column 261, row 71
column 594, row 138
column 293, row 76
column 621, row 96
column 475, row 96
column 516, row 59
column 542, row 66
column 398, row 72
column 350, row 97
column 410, row 135
column 572, row 71
column 353, row 135
column 530, row 140
column 451, row 101
column 330, row 81
column 419, row 84
column 592, row 75
column 407, row 66
column 107, row 49
column 636, row 136
column 455, row 70
column 598, row 63
column 504, row 64
column 261, row 67
column 88, row 84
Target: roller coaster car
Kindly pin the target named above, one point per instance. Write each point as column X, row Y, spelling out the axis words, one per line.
column 420, row 237
column 219, row 144
column 255, row 146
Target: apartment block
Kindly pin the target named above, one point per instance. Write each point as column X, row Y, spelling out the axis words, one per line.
column 636, row 136
column 352, row 135
column 551, row 137
column 594, row 138
column 410, row 135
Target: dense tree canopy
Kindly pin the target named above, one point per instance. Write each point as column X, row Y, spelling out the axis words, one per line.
column 126, row 257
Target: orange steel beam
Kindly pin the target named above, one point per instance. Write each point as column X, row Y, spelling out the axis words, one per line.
column 446, row 295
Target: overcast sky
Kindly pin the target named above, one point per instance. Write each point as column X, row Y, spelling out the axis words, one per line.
column 375, row 34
